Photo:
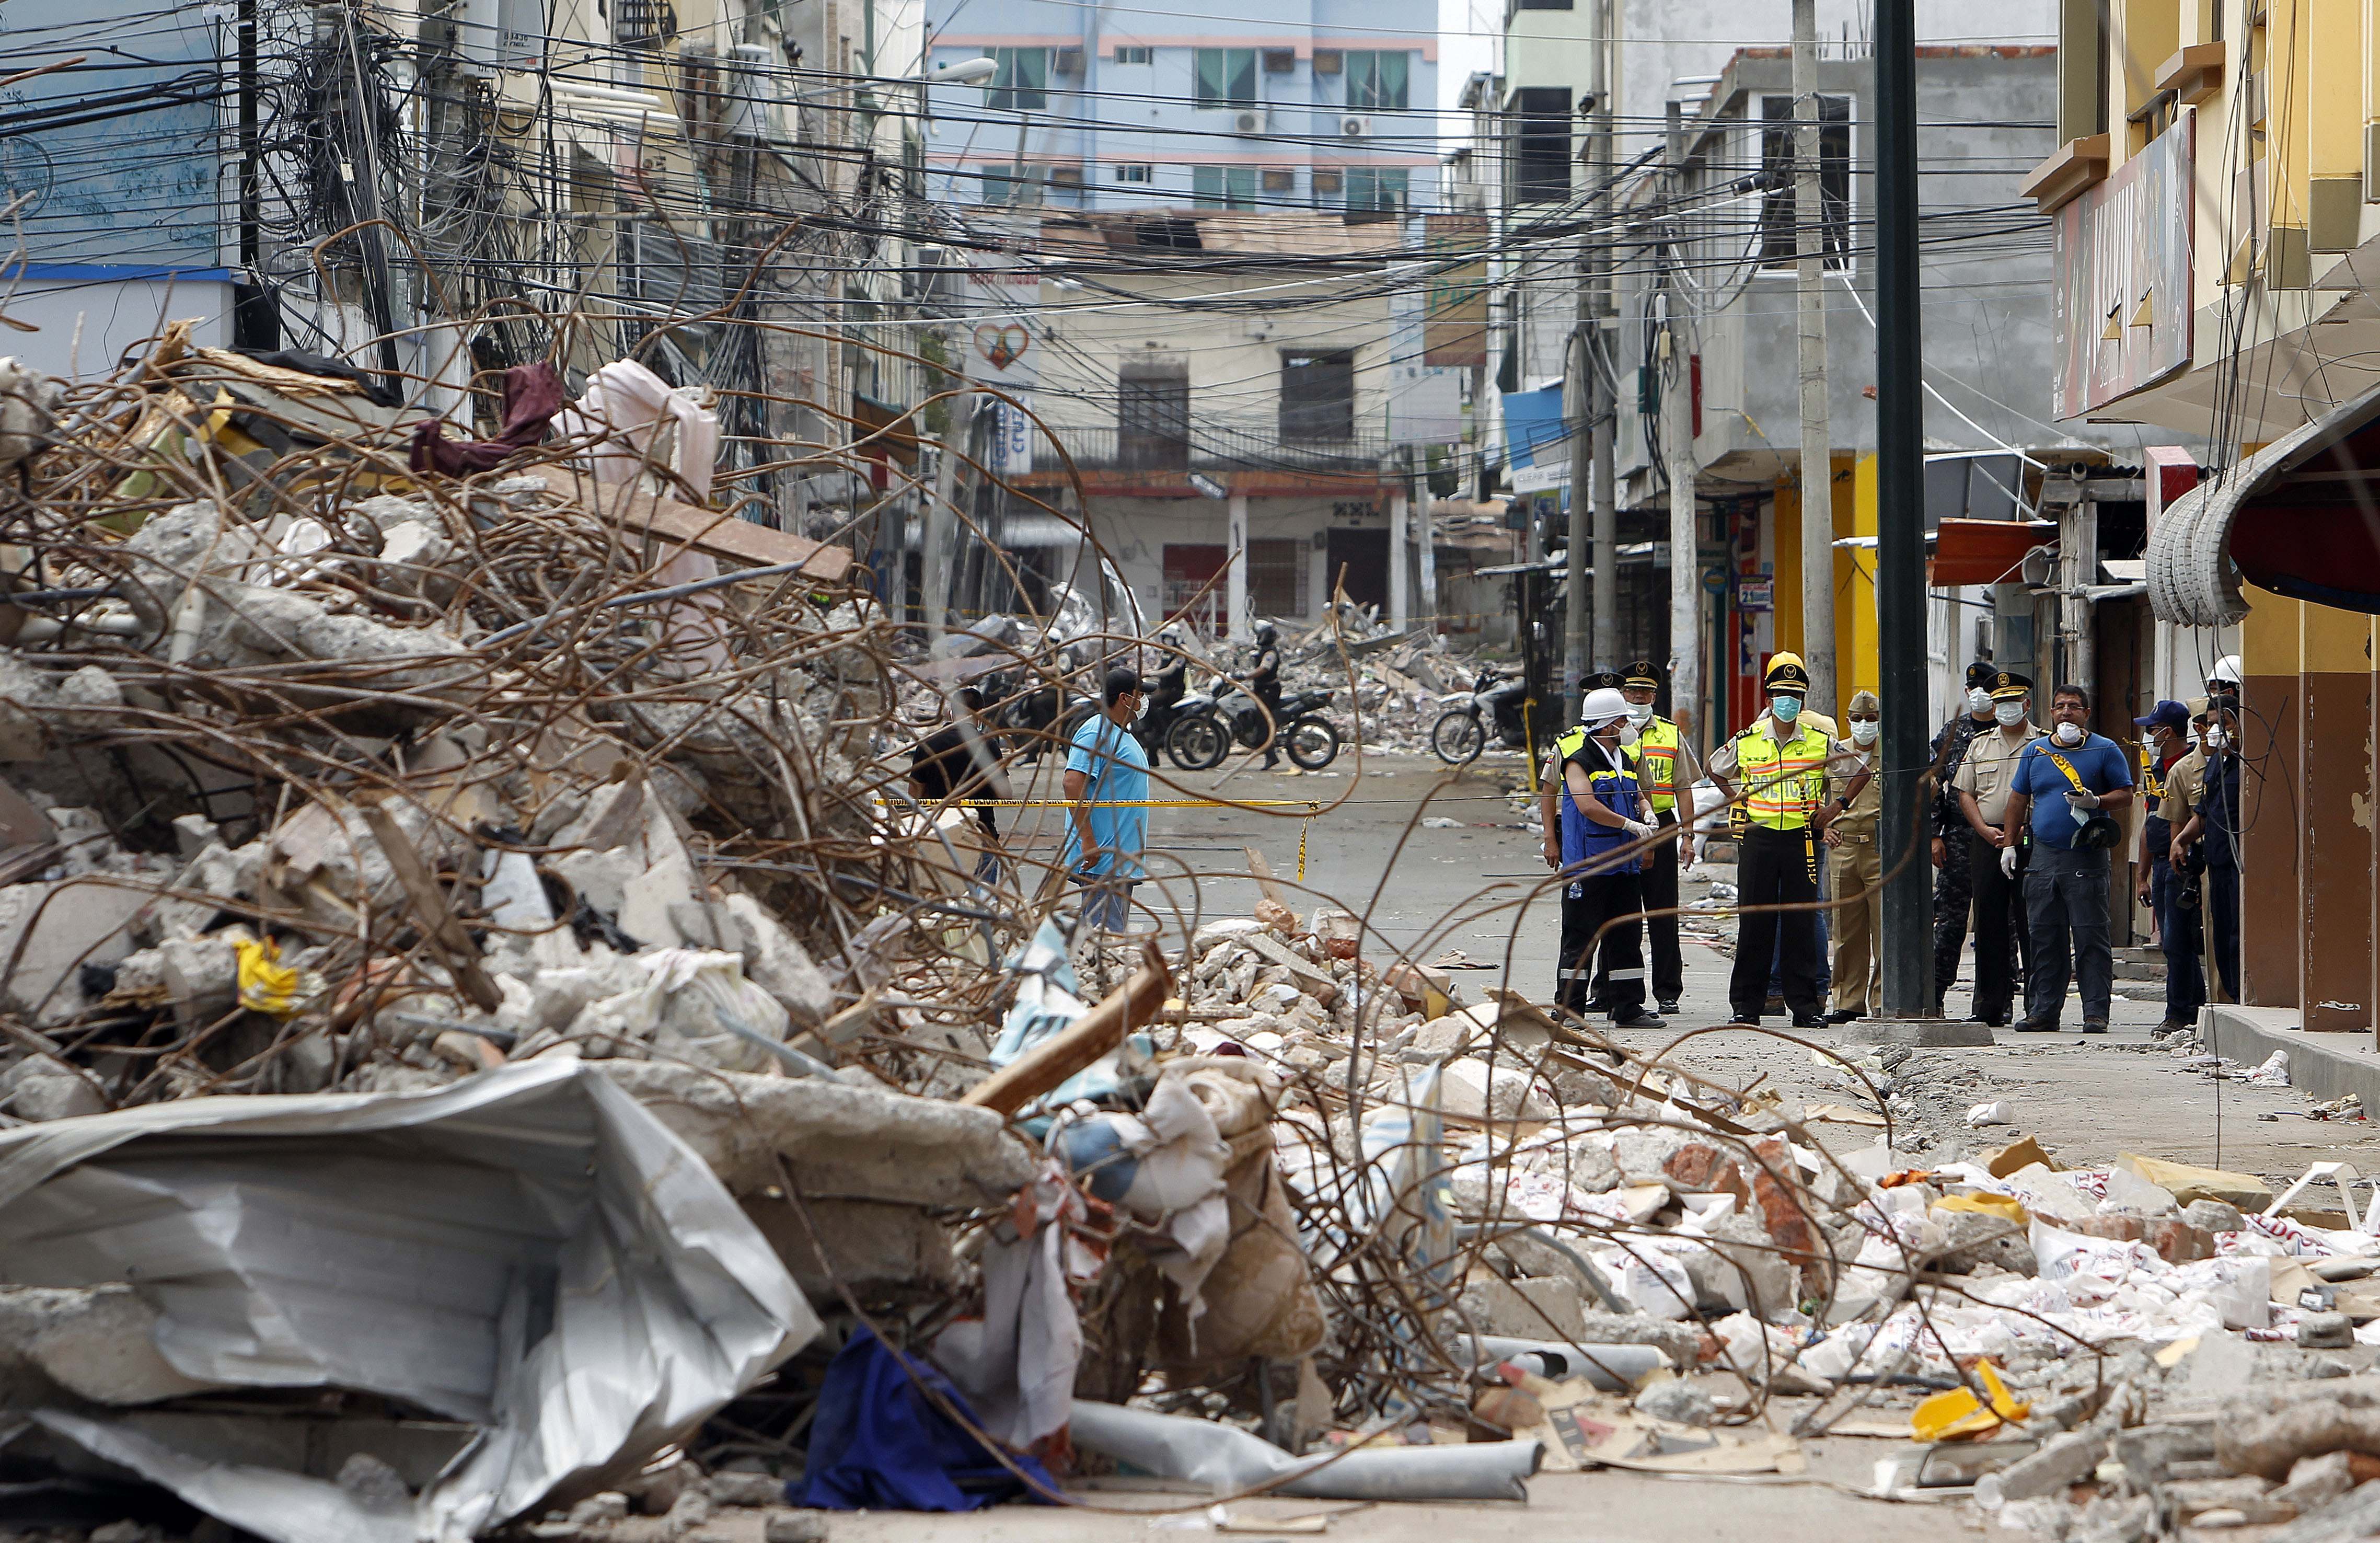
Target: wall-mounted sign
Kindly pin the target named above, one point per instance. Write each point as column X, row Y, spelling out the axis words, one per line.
column 1756, row 594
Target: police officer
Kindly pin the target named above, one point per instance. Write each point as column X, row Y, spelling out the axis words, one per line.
column 1264, row 680
column 1855, row 864
column 1782, row 763
column 1603, row 832
column 2214, row 826
column 1665, row 769
column 1953, row 885
column 2163, row 747
column 1550, row 816
column 1986, row 777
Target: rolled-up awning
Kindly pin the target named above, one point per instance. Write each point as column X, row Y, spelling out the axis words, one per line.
column 2299, row 517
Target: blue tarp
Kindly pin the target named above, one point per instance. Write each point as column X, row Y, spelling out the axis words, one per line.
column 879, row 1443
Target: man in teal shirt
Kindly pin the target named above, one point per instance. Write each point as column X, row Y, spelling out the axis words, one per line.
column 1107, row 792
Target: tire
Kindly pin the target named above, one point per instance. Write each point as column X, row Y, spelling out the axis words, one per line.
column 1197, row 742
column 1312, row 743
column 1458, row 738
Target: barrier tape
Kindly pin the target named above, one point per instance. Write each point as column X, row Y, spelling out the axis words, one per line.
column 1312, row 806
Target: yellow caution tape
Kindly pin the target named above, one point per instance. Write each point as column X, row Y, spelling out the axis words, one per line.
column 266, row 985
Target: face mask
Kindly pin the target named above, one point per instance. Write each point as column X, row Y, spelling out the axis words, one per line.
column 1640, row 713
column 2192, row 740
column 1979, row 701
column 2069, row 734
column 1628, row 734
column 2008, row 713
column 2217, row 739
column 1863, row 732
column 1786, row 708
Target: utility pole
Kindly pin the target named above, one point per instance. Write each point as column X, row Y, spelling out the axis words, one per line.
column 1678, row 447
column 934, row 547
column 1809, row 304
column 1900, row 517
column 1596, row 362
column 1578, row 417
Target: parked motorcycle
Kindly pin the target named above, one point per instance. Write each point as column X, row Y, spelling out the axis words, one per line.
column 1208, row 723
column 1460, row 732
column 1037, row 720
column 1162, row 706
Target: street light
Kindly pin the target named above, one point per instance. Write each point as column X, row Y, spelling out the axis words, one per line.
column 967, row 72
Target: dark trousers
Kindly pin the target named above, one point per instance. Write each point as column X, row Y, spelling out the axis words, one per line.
column 1616, row 963
column 2185, row 988
column 2066, row 906
column 2220, row 887
column 1775, row 868
column 1999, row 929
column 1954, row 896
column 1825, row 922
column 1660, row 885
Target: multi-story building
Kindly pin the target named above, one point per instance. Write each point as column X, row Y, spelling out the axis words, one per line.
column 1327, row 104
column 2217, row 206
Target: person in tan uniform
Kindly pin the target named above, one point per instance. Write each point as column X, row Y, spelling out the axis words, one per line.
column 1855, row 862
column 1987, row 776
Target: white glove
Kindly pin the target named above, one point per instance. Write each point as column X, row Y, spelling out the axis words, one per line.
column 2008, row 861
column 2083, row 800
column 1638, row 830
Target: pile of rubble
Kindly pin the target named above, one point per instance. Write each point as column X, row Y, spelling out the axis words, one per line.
column 488, row 1041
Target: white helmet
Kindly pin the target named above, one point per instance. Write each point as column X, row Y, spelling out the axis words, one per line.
column 2226, row 670
column 1604, row 706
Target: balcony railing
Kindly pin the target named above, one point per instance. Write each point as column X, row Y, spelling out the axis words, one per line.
column 1213, row 448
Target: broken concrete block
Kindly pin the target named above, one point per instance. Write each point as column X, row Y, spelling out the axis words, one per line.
column 1474, row 1089
column 1700, row 1168
column 2149, row 1452
column 753, row 1490
column 877, row 1251
column 2316, row 1481
column 2187, row 1183
column 1642, row 1154
column 1972, row 1238
column 41, row 1090
column 97, row 1342
column 2061, row 1461
column 1678, row 1401
column 794, row 1526
column 51, row 931
column 1537, row 1307
column 2214, row 1216
column 2266, row 1430
column 2325, row 1331
column 375, row 1485
column 2251, row 1498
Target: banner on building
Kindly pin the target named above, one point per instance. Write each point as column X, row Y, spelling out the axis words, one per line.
column 1013, row 437
column 1454, row 322
column 2123, row 298
column 1003, row 300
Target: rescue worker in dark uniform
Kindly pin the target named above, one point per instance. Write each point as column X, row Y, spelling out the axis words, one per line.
column 1264, row 680
column 1665, row 773
column 1782, row 763
column 1604, row 831
column 1954, row 889
column 1549, row 787
column 2215, row 826
column 2162, row 748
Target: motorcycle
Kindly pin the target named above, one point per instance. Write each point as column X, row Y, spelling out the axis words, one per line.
column 1208, row 722
column 1161, row 706
column 1037, row 720
column 1460, row 732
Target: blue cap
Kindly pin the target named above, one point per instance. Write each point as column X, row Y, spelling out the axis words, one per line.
column 2173, row 715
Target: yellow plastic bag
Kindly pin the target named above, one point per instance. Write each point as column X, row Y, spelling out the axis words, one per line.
column 1987, row 1205
column 266, row 985
column 1946, row 1416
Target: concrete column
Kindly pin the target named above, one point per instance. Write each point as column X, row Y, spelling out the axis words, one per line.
column 1429, row 551
column 1235, row 580
column 1400, row 558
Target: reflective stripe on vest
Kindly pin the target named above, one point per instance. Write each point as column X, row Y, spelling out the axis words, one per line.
column 1783, row 784
column 1654, row 755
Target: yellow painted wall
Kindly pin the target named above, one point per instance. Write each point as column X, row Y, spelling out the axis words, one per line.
column 1785, row 540
column 1855, row 659
column 2337, row 63
column 2271, row 637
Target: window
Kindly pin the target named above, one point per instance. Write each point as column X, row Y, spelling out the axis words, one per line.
column 1328, row 61
column 645, row 24
column 1327, row 181
column 1376, row 81
column 1370, row 188
column 1132, row 53
column 1153, row 415
column 1277, row 577
column 1317, row 395
column 1539, row 125
column 1224, row 187
column 1022, row 84
column 1543, row 6
column 1779, row 232
column 1280, row 179
column 1008, row 182
column 1190, row 569
column 1226, row 77
column 1281, row 61
column 1136, row 173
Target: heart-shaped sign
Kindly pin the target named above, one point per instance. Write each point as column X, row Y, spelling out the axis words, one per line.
column 1002, row 346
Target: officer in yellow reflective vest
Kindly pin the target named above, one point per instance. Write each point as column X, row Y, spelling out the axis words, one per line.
column 1780, row 763
column 1665, row 770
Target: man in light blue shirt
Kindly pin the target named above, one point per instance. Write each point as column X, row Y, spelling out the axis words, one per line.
column 2068, row 788
column 1106, row 789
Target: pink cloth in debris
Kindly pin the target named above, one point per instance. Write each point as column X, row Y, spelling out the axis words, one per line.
column 532, row 396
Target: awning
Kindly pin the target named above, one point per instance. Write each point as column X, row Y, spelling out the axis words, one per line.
column 1985, row 550
column 2300, row 517
column 889, row 429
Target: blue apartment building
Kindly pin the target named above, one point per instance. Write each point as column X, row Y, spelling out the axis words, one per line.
column 1328, row 105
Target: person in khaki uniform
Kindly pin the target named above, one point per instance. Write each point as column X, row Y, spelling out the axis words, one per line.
column 2184, row 784
column 1987, row 776
column 1855, row 862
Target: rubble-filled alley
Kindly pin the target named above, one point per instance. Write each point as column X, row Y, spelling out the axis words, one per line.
column 495, row 1046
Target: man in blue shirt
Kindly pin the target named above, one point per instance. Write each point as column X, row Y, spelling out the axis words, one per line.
column 1107, row 792
column 2069, row 787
